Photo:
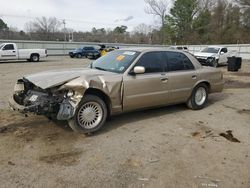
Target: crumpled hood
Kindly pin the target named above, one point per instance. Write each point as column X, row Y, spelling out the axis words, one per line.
column 55, row 78
column 203, row 54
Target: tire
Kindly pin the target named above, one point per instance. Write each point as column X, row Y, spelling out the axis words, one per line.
column 215, row 63
column 34, row 58
column 90, row 115
column 79, row 55
column 195, row 102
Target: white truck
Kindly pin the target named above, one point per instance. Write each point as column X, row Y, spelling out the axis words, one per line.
column 9, row 51
column 214, row 56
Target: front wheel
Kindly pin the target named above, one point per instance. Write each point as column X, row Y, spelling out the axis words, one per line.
column 90, row 115
column 79, row 56
column 199, row 97
column 216, row 63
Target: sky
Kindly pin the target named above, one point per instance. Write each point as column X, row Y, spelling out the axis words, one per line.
column 80, row 15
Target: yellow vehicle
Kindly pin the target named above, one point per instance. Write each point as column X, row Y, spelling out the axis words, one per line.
column 105, row 49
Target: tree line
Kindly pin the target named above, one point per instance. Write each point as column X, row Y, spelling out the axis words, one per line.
column 180, row 22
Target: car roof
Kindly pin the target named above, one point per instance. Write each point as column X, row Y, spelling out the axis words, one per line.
column 149, row 49
column 216, row 47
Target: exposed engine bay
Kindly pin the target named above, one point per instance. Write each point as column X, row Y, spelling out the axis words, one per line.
column 49, row 102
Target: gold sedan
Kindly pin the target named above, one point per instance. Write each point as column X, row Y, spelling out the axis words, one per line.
column 121, row 81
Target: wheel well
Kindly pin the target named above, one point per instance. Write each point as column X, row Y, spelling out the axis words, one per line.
column 34, row 54
column 207, row 84
column 102, row 95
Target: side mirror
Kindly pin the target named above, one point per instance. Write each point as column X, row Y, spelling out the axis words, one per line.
column 139, row 70
column 221, row 53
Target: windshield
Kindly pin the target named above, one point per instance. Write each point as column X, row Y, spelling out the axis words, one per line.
column 78, row 49
column 1, row 45
column 211, row 50
column 117, row 61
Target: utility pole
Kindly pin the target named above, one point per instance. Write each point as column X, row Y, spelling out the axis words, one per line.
column 64, row 30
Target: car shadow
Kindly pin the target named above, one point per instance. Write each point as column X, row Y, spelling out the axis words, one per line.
column 21, row 61
column 132, row 117
column 118, row 121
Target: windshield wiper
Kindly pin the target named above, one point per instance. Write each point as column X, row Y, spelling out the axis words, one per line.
column 99, row 68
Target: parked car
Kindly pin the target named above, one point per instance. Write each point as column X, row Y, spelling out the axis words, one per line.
column 214, row 56
column 105, row 49
column 184, row 48
column 9, row 51
column 121, row 81
column 87, row 51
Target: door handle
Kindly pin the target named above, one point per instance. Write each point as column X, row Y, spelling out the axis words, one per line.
column 14, row 51
column 194, row 77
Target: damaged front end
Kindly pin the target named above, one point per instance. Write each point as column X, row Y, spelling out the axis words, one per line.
column 52, row 102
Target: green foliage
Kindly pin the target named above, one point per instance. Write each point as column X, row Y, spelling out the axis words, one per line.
column 202, row 25
column 221, row 22
column 3, row 25
column 181, row 19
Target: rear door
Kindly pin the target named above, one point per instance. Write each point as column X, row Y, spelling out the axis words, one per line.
column 182, row 76
column 89, row 50
column 148, row 89
column 9, row 52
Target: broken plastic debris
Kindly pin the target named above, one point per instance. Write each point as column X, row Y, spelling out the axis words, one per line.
column 209, row 185
column 143, row 179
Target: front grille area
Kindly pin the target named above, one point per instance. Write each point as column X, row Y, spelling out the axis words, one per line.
column 202, row 61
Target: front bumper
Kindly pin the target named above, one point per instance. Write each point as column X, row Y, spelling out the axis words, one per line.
column 206, row 61
column 66, row 110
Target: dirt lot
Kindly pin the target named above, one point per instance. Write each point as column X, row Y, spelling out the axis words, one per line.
column 167, row 147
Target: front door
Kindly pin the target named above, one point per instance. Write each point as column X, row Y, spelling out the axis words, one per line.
column 148, row 89
column 223, row 56
column 8, row 52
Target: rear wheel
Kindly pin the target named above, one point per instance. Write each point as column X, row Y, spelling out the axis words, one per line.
column 34, row 57
column 90, row 115
column 199, row 97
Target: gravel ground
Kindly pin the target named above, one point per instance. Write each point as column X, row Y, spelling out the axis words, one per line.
column 166, row 147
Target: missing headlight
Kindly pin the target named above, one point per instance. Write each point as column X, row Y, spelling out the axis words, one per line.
column 70, row 93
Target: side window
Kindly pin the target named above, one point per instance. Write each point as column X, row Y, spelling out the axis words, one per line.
column 178, row 61
column 88, row 48
column 152, row 61
column 188, row 65
column 8, row 47
column 224, row 50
